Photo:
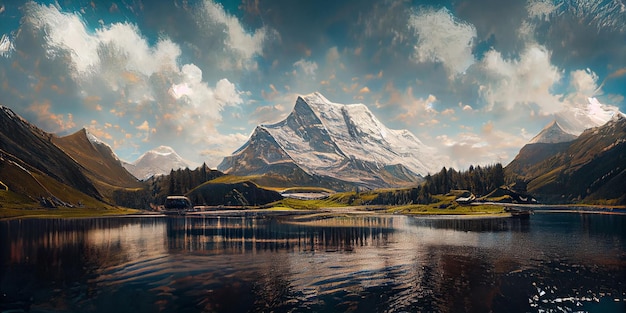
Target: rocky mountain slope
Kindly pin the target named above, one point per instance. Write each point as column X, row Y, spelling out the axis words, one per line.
column 590, row 168
column 31, row 148
column 551, row 140
column 159, row 161
column 33, row 165
column 99, row 162
column 335, row 143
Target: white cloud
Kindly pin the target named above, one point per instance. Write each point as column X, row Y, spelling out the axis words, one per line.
column 245, row 45
column 580, row 108
column 591, row 113
column 120, row 45
column 443, row 38
column 227, row 93
column 527, row 80
column 65, row 32
column 309, row 68
column 115, row 62
column 584, row 81
column 531, row 80
column 205, row 102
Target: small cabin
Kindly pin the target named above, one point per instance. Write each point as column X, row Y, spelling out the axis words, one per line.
column 463, row 196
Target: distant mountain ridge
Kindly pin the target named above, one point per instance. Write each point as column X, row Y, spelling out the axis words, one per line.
column 39, row 170
column 156, row 162
column 343, row 143
column 590, row 168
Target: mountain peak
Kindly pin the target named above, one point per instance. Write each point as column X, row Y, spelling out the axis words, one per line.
column 92, row 138
column 552, row 133
column 315, row 97
column 341, row 141
column 156, row 162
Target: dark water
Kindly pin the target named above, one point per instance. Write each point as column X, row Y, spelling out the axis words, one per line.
column 548, row 263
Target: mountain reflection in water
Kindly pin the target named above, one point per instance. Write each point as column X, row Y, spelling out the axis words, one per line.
column 550, row 262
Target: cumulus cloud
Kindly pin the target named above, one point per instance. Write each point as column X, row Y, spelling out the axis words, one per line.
column 117, row 64
column 581, row 107
column 204, row 100
column 244, row 45
column 531, row 79
column 526, row 80
column 116, row 46
column 443, row 38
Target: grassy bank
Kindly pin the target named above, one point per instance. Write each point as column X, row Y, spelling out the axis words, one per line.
column 13, row 205
column 444, row 205
column 62, row 212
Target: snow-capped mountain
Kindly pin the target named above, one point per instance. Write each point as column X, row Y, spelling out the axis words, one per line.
column 344, row 142
column 594, row 114
column 552, row 133
column 159, row 161
column 590, row 166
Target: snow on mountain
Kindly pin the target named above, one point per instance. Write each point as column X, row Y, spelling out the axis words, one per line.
column 323, row 138
column 159, row 161
column 356, row 133
column 552, row 133
column 594, row 114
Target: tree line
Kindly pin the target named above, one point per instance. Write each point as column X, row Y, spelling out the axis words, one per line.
column 178, row 182
column 479, row 180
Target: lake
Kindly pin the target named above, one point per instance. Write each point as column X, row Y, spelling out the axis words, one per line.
column 550, row 262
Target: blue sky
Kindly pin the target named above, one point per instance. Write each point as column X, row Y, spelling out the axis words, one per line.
column 476, row 79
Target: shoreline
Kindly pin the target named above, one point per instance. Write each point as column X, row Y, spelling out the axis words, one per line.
column 328, row 212
column 566, row 208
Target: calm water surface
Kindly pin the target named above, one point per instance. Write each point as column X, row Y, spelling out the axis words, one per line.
column 548, row 263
